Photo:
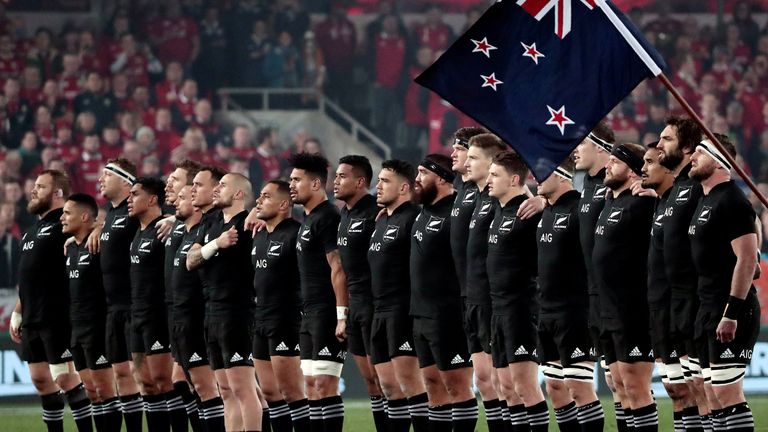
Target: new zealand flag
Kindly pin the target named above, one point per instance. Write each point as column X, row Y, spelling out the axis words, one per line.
column 542, row 73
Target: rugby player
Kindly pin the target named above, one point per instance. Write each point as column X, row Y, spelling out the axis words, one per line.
column 277, row 313
column 723, row 245
column 324, row 293
column 677, row 142
column 436, row 302
column 182, row 175
column 113, row 240
column 477, row 313
column 392, row 346
column 565, row 345
column 511, row 269
column 40, row 321
column 353, row 179
column 619, row 257
column 222, row 253
column 150, row 343
column 88, row 313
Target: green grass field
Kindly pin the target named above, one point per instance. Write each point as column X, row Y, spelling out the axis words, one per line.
column 26, row 418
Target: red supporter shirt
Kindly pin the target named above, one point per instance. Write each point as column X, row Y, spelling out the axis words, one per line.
column 163, row 90
column 390, row 58
column 270, row 165
column 111, row 152
column 415, row 109
column 136, row 69
column 436, row 37
column 438, row 112
column 87, row 171
column 338, row 40
column 175, row 35
column 186, row 108
column 69, row 87
column 10, row 67
column 167, row 140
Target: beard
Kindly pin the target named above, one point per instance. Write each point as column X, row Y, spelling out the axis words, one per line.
column 615, row 182
column 648, row 184
column 701, row 173
column 223, row 203
column 428, row 193
column 39, row 206
column 671, row 160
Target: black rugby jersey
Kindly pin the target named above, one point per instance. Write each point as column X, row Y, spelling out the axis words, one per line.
column 43, row 284
column 683, row 199
column 389, row 256
column 147, row 270
column 478, row 289
column 228, row 274
column 86, row 286
column 620, row 258
column 115, row 239
column 206, row 221
column 722, row 216
column 188, row 297
column 467, row 195
column 658, row 284
column 590, row 205
column 562, row 275
column 434, row 287
column 354, row 234
column 317, row 237
column 171, row 245
column 512, row 257
column 276, row 271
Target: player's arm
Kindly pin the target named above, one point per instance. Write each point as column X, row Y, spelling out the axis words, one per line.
column 339, row 281
column 207, row 251
column 93, row 242
column 744, row 248
column 532, row 206
column 194, row 257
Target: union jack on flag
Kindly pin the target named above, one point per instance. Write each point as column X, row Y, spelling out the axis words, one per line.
column 543, row 91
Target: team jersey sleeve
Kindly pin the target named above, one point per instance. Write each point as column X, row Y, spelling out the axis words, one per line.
column 740, row 219
column 327, row 230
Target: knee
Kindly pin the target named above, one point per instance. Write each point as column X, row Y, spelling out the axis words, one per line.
column 555, row 386
column 271, row 393
column 676, row 392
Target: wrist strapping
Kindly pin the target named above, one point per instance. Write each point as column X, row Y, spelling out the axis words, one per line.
column 733, row 307
column 209, row 250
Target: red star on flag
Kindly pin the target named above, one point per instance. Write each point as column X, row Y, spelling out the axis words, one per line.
column 558, row 118
column 491, row 81
column 532, row 52
column 483, row 46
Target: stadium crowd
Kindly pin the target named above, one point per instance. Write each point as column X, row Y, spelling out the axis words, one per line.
column 144, row 86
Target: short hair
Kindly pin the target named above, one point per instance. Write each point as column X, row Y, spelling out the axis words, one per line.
column 727, row 143
column 216, row 173
column 124, row 164
column 262, row 134
column 568, row 164
column 245, row 184
column 514, row 165
column 444, row 161
column 489, row 143
column 60, row 180
column 466, row 133
column 283, row 187
column 688, row 132
column 402, row 168
column 360, row 165
column 152, row 186
column 86, row 201
column 313, row 164
column 191, row 167
column 604, row 132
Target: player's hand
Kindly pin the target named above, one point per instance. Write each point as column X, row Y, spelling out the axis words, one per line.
column 93, row 243
column 638, row 190
column 253, row 223
column 14, row 329
column 227, row 238
column 531, row 207
column 164, row 227
column 341, row 330
column 726, row 330
column 68, row 242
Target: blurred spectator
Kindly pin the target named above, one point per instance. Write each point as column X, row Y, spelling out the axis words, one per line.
column 748, row 28
column 8, row 218
column 30, row 154
column 291, row 18
column 252, row 54
column 265, row 165
column 183, row 109
column 10, row 253
column 211, row 66
column 281, row 63
column 141, row 104
column 70, row 79
column 10, row 65
column 150, row 167
column 42, row 54
column 16, row 114
column 312, row 64
column 174, row 36
column 31, row 85
column 389, row 66
column 167, row 91
column 168, row 139
column 193, row 146
column 203, row 120
column 88, row 52
column 44, row 128
column 337, row 37
column 112, row 143
column 415, row 107
column 242, row 143
column 134, row 62
column 95, row 99
column 433, row 33
column 87, row 169
column 51, row 98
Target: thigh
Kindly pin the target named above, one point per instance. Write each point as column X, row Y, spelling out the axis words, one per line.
column 573, row 340
column 421, row 343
